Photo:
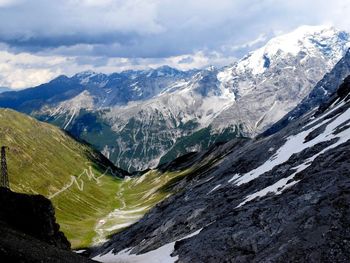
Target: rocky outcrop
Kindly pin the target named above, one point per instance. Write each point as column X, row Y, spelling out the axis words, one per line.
column 29, row 232
column 33, row 215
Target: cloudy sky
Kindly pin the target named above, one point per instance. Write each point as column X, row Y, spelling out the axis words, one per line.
column 41, row 39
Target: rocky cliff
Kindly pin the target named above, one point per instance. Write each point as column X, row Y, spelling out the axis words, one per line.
column 29, row 232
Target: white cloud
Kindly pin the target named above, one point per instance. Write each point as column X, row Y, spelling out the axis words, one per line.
column 94, row 2
column 261, row 39
column 156, row 28
column 24, row 70
column 4, row 3
column 46, row 38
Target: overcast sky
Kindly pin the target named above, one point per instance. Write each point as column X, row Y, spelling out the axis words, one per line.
column 40, row 39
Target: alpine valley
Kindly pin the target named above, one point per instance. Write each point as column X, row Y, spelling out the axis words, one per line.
column 245, row 163
column 92, row 197
column 139, row 119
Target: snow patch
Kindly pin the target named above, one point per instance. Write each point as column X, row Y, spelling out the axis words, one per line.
column 159, row 255
column 71, row 118
column 216, row 187
column 296, row 144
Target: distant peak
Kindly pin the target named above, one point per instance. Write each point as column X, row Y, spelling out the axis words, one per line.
column 164, row 70
column 302, row 33
column 309, row 39
column 86, row 73
column 85, row 77
column 60, row 78
column 311, row 29
column 211, row 68
column 299, row 38
column 165, row 67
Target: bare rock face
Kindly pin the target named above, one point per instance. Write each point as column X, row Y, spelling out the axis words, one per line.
column 29, row 232
column 320, row 94
column 33, row 215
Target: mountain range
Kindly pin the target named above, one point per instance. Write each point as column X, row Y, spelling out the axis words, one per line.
column 278, row 198
column 246, row 163
column 4, row 89
column 140, row 119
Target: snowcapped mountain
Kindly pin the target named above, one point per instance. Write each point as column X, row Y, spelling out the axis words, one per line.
column 282, row 198
column 141, row 118
column 120, row 88
column 319, row 94
column 236, row 101
column 270, row 81
column 310, row 41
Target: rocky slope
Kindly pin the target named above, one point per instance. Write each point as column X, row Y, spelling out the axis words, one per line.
column 140, row 118
column 282, row 198
column 29, row 232
column 319, row 94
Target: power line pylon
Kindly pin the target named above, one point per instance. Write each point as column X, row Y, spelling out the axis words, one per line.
column 4, row 176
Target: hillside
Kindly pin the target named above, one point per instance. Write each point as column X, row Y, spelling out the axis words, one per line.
column 44, row 160
column 92, row 198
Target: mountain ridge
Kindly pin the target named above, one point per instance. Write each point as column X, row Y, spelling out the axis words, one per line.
column 318, row 95
column 137, row 117
column 272, row 199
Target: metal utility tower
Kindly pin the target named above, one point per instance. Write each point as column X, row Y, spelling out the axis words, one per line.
column 4, row 176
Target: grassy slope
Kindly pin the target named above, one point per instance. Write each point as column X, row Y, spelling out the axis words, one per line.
column 43, row 159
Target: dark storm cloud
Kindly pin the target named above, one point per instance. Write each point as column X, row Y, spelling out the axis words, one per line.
column 148, row 28
column 41, row 39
